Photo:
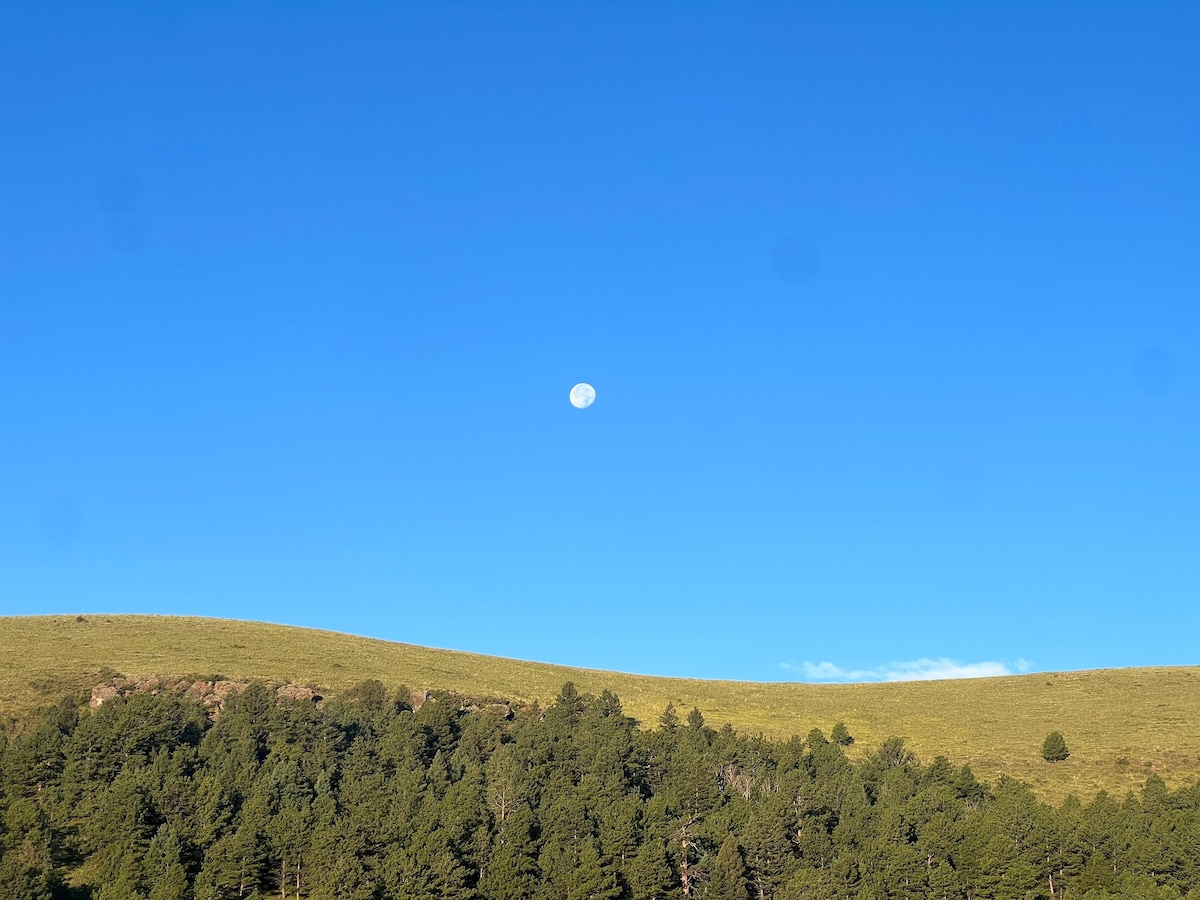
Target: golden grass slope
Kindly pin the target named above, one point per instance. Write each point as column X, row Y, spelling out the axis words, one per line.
column 1120, row 724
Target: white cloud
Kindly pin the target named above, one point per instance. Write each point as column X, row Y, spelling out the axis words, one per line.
column 916, row 670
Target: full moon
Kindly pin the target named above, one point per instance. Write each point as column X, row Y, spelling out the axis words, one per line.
column 583, row 395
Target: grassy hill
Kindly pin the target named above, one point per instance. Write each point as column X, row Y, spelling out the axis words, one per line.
column 1119, row 723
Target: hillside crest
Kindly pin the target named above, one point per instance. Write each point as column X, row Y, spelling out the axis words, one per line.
column 1121, row 724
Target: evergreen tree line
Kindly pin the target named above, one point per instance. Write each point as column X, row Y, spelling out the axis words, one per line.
column 363, row 798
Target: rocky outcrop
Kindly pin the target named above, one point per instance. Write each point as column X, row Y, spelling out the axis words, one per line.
column 504, row 710
column 214, row 695
column 101, row 694
column 296, row 692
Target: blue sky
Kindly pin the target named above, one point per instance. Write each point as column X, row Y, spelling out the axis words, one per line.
column 892, row 311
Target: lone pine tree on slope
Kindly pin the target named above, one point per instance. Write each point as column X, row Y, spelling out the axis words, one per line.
column 1054, row 748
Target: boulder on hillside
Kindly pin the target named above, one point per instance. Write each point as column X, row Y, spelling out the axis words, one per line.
column 504, row 709
column 296, row 692
column 147, row 684
column 222, row 690
column 198, row 690
column 101, row 694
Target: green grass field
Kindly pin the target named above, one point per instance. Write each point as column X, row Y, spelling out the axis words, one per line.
column 1120, row 724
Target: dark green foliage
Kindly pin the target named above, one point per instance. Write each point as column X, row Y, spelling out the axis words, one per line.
column 364, row 799
column 841, row 735
column 370, row 696
column 669, row 720
column 943, row 882
column 727, row 879
column 26, row 850
column 768, row 850
column 1054, row 748
column 164, row 868
column 511, row 869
